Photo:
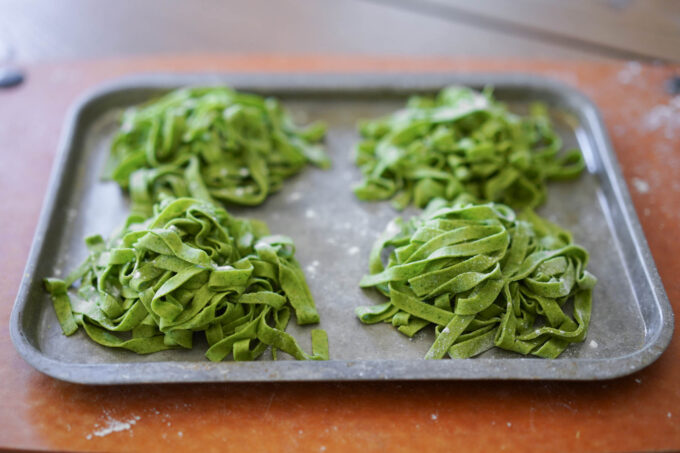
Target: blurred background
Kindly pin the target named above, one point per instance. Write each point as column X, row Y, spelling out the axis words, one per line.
column 47, row 30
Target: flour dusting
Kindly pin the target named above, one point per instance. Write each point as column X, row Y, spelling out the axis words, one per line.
column 114, row 426
column 312, row 267
column 665, row 118
column 641, row 185
column 629, row 73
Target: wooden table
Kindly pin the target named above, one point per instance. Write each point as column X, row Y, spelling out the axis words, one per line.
column 636, row 413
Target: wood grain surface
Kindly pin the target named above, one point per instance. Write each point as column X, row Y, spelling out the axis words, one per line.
column 636, row 413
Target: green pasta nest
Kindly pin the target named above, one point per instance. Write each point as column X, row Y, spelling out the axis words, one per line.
column 190, row 268
column 461, row 141
column 484, row 277
column 211, row 144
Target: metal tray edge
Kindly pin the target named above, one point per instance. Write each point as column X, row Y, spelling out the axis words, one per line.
column 345, row 370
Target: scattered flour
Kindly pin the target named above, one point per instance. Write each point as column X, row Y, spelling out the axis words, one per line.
column 638, row 380
column 592, row 344
column 311, row 267
column 114, row 426
column 629, row 73
column 641, row 185
column 310, row 213
column 353, row 250
column 665, row 117
column 392, row 228
column 295, row 196
column 669, row 415
column 509, row 424
column 434, row 416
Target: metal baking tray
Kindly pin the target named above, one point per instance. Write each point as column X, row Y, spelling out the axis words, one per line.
column 632, row 321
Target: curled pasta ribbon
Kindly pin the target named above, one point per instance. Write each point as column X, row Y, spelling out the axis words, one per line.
column 484, row 277
column 461, row 141
column 190, row 268
column 210, row 144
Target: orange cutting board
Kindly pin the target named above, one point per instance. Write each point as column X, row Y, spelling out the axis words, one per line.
column 635, row 413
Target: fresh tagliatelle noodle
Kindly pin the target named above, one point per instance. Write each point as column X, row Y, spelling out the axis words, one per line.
column 461, row 141
column 484, row 277
column 190, row 268
column 212, row 143
column 482, row 274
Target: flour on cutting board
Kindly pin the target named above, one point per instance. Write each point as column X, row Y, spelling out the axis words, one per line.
column 629, row 73
column 664, row 117
column 641, row 185
column 111, row 425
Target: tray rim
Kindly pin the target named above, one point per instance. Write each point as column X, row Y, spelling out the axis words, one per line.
column 342, row 370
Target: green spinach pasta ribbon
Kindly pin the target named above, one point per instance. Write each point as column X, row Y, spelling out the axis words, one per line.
column 190, row 268
column 461, row 141
column 484, row 277
column 214, row 144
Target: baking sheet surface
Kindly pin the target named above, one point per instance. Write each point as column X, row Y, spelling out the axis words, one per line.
column 334, row 232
